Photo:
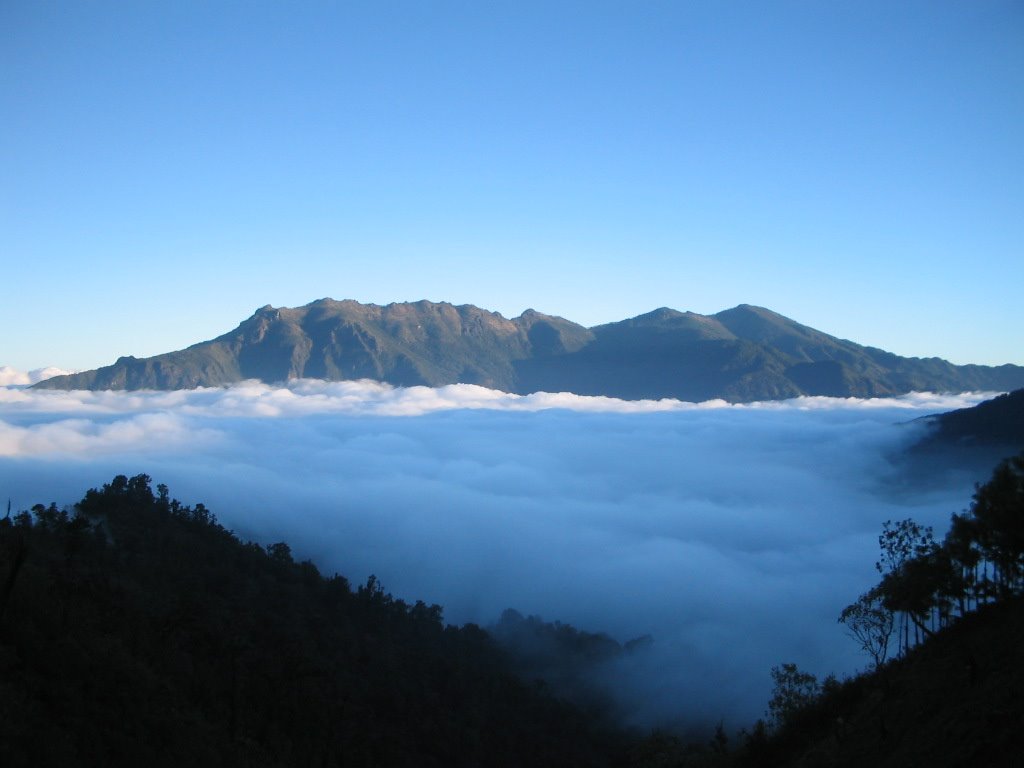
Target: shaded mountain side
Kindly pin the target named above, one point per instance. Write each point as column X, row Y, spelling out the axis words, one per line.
column 138, row 631
column 955, row 700
column 742, row 354
column 966, row 441
column 649, row 365
column 998, row 422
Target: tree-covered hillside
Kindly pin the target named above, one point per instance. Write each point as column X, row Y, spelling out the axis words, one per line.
column 997, row 423
column 951, row 613
column 137, row 631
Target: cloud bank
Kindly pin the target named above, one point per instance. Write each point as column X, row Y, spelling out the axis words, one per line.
column 11, row 377
column 734, row 534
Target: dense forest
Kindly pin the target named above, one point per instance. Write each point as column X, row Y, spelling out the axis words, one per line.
column 136, row 630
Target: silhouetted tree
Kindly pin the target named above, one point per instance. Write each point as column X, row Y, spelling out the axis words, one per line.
column 793, row 690
column 961, row 543
column 870, row 623
column 998, row 509
column 899, row 543
column 922, row 588
column 925, row 584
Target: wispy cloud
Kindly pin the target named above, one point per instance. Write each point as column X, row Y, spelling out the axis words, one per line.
column 733, row 534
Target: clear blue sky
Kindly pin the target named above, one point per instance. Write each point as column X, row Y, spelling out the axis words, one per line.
column 166, row 168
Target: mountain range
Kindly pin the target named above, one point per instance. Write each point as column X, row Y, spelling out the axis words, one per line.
column 742, row 354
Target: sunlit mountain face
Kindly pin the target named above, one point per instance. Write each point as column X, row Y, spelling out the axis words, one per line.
column 742, row 354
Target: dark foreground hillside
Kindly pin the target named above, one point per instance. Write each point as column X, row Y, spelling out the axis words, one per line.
column 953, row 612
column 955, row 700
column 140, row 632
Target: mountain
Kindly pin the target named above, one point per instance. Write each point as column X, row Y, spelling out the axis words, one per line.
column 741, row 354
column 966, row 442
column 998, row 422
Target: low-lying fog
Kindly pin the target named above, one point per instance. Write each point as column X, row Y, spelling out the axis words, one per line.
column 733, row 535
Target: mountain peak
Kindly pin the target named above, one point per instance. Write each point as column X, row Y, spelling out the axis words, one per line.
column 752, row 311
column 758, row 324
column 661, row 313
column 740, row 354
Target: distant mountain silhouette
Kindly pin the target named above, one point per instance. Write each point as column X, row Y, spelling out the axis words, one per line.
column 741, row 354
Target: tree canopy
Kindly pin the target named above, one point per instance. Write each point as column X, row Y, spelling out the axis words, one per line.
column 136, row 630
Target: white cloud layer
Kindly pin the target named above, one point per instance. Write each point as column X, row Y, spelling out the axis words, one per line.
column 734, row 534
column 10, row 377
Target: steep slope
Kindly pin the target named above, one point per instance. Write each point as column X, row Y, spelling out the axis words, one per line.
column 952, row 696
column 998, row 422
column 742, row 354
column 816, row 363
column 953, row 701
column 968, row 439
column 137, row 631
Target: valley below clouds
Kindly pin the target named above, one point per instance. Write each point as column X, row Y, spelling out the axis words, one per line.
column 732, row 534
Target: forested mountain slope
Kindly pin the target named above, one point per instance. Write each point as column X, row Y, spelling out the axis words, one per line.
column 998, row 423
column 965, row 441
column 955, row 700
column 139, row 632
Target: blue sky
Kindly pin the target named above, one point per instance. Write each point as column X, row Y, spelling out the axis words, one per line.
column 165, row 169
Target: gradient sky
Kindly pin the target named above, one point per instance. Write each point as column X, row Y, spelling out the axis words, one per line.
column 167, row 168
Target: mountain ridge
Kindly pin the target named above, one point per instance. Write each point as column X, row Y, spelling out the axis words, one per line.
column 740, row 354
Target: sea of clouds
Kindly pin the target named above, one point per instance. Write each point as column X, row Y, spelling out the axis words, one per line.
column 733, row 534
